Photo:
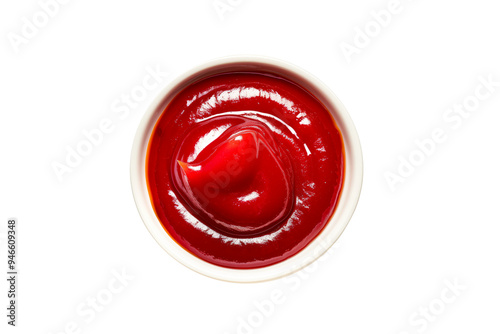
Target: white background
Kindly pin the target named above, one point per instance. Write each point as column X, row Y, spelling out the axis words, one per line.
column 401, row 246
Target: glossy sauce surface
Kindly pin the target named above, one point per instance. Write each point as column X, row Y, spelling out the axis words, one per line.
column 244, row 169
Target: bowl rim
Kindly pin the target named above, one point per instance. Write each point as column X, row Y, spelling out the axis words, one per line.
column 347, row 202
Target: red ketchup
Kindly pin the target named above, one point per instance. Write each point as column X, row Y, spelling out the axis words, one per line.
column 244, row 169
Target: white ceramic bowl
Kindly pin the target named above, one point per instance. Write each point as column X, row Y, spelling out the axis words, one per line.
column 346, row 203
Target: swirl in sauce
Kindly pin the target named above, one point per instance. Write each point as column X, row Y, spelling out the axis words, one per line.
column 244, row 169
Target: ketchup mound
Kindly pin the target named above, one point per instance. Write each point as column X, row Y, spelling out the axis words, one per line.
column 242, row 184
column 244, row 169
